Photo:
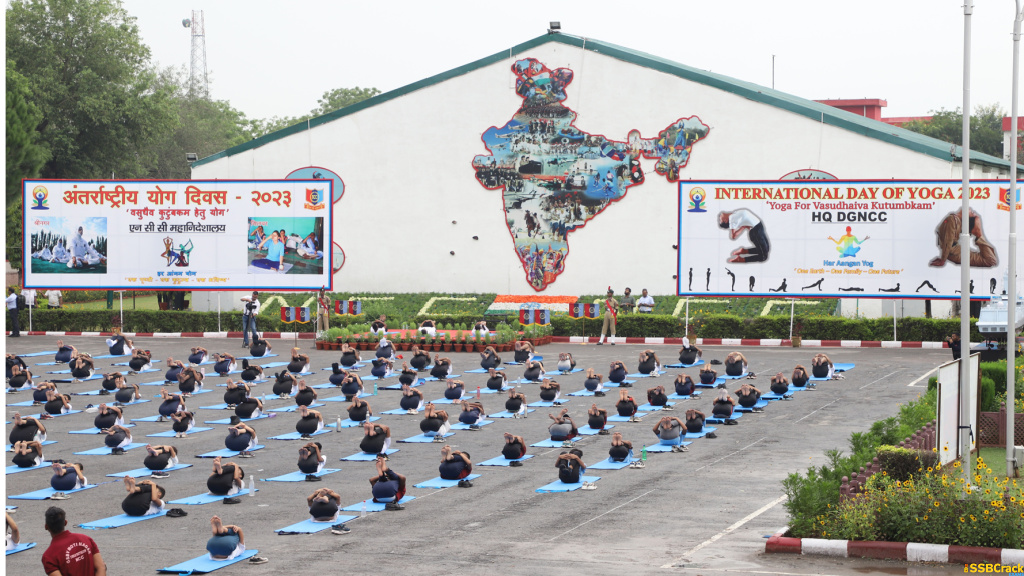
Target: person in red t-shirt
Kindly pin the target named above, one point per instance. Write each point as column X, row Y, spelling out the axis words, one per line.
column 70, row 554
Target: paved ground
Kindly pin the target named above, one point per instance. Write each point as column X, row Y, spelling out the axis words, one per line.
column 705, row 511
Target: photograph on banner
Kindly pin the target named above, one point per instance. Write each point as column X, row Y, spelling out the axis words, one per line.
column 288, row 245
column 68, row 245
column 848, row 239
column 189, row 234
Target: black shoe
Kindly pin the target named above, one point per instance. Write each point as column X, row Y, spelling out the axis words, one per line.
column 600, row 343
column 104, row 392
column 340, row 529
column 465, row 484
column 604, row 432
column 516, row 463
column 156, row 474
column 313, row 478
column 600, row 394
column 711, row 435
column 393, row 506
column 117, row 451
column 177, row 513
column 232, row 500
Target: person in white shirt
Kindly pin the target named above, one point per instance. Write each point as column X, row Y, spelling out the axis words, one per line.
column 739, row 221
column 645, row 305
column 79, row 250
column 12, row 313
column 30, row 297
column 60, row 254
column 54, row 298
column 250, row 310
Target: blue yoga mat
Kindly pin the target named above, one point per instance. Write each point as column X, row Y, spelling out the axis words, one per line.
column 154, row 383
column 45, row 493
column 843, row 366
column 609, row 464
column 588, row 431
column 152, row 362
column 371, row 378
column 34, row 354
column 21, row 547
column 221, row 406
column 417, row 383
column 348, row 423
column 149, row 419
column 44, row 443
column 566, row 373
column 119, row 520
column 25, row 403
column 171, row 433
column 464, row 426
column 372, row 506
column 549, row 443
column 225, row 453
column 502, row 461
column 699, row 362
column 104, row 356
column 423, row 438
column 105, row 451
column 760, row 404
column 442, row 483
column 619, row 384
column 545, row 404
column 295, row 408
column 719, row 420
column 228, row 420
column 396, row 412
column 341, row 397
column 300, row 476
column 200, row 499
column 432, row 379
column 507, row 414
column 483, row 370
column 657, row 448
column 308, row 526
column 582, row 393
column 364, row 457
column 559, row 486
column 465, row 396
column 642, row 375
column 650, row 408
column 617, row 418
column 489, row 391
column 773, row 396
column 524, row 381
column 692, row 435
column 297, row 436
column 354, row 367
column 16, row 469
column 719, row 380
column 142, row 472
column 696, row 394
column 95, row 430
column 68, row 413
column 204, row 564
column 727, row 377
column 256, row 357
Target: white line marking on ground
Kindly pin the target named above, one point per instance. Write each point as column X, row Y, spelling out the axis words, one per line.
column 830, row 403
column 731, row 455
column 925, row 375
column 600, row 515
column 879, row 380
column 716, row 537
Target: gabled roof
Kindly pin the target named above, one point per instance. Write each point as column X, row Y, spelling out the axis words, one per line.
column 808, row 108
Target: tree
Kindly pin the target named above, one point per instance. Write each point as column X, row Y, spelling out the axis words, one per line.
column 947, row 125
column 25, row 153
column 331, row 100
column 89, row 74
column 202, row 126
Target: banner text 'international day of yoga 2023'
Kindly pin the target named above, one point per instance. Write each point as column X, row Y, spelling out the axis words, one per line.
column 836, row 238
column 188, row 234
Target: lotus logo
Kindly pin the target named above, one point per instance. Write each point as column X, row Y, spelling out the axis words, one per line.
column 39, row 196
column 697, row 197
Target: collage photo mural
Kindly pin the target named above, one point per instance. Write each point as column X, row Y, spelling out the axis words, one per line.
column 555, row 177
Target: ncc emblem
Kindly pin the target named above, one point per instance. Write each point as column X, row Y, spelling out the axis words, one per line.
column 314, row 199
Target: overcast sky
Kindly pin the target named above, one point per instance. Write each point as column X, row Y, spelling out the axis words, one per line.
column 272, row 58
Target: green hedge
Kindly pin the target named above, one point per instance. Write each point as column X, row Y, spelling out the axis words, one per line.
column 629, row 325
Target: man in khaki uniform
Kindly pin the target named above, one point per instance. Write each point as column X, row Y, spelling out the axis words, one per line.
column 611, row 312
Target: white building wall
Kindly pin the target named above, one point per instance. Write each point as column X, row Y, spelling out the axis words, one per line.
column 411, row 196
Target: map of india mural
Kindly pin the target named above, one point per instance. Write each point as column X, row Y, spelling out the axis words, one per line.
column 555, row 177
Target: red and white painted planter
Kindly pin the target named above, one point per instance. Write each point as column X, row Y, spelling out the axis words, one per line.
column 910, row 551
column 558, row 339
column 757, row 342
